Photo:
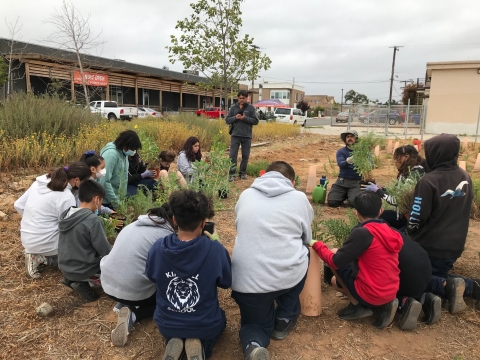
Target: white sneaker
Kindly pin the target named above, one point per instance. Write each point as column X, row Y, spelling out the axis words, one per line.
column 124, row 324
column 118, row 306
column 33, row 264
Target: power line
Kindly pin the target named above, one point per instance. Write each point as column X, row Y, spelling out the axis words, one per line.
column 353, row 82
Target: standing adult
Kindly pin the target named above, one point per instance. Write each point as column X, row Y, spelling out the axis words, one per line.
column 440, row 216
column 347, row 185
column 241, row 117
column 270, row 258
column 116, row 155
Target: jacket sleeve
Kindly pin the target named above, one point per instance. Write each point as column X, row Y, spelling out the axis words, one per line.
column 150, row 264
column 105, row 210
column 388, row 198
column 252, row 120
column 110, row 164
column 421, row 208
column 183, row 165
column 307, row 224
column 356, row 244
column 342, row 160
column 19, row 205
column 230, row 119
column 99, row 238
column 225, row 279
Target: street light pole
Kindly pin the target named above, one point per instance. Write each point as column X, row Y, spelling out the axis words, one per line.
column 341, row 103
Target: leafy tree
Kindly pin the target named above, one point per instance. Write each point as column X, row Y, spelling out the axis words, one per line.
column 410, row 92
column 394, row 102
column 303, row 105
column 211, row 44
column 355, row 98
column 3, row 72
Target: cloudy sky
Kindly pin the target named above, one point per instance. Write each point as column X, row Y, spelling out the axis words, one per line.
column 324, row 45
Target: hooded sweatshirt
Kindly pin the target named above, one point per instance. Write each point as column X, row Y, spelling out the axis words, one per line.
column 187, row 274
column 131, row 248
column 442, row 201
column 346, row 170
column 373, row 249
column 81, row 244
column 273, row 229
column 242, row 128
column 116, row 178
column 41, row 209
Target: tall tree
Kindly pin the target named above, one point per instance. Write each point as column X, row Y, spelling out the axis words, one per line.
column 410, row 92
column 211, row 43
column 303, row 105
column 355, row 98
column 74, row 33
column 14, row 56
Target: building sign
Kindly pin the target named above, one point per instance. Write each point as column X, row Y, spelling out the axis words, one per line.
column 91, row 79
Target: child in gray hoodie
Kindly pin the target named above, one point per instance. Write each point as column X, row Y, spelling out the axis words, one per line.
column 82, row 241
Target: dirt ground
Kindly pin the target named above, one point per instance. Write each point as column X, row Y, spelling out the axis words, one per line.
column 81, row 330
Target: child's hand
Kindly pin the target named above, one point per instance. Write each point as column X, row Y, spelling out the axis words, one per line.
column 213, row 236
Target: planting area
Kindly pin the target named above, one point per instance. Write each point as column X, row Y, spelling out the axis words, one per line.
column 80, row 330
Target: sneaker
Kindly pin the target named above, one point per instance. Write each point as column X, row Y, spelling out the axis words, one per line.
column 353, row 312
column 231, row 179
column 410, row 312
column 84, row 290
column 454, row 290
column 174, row 350
column 386, row 313
column 124, row 324
column 33, row 264
column 432, row 308
column 283, row 328
column 66, row 282
column 243, row 177
column 118, row 306
column 254, row 352
column 194, row 349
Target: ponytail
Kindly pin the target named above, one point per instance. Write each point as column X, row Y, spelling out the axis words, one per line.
column 164, row 213
column 59, row 177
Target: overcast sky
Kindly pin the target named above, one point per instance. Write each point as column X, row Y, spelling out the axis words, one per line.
column 324, row 45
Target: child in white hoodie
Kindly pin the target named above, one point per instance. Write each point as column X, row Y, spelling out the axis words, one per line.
column 41, row 207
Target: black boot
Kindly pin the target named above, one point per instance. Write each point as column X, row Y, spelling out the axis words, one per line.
column 386, row 313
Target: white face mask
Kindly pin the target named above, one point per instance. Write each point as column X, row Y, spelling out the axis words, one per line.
column 101, row 173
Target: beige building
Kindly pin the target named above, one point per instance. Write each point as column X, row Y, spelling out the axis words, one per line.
column 288, row 93
column 452, row 94
column 319, row 100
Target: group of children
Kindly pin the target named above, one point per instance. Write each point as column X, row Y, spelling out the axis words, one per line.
column 166, row 267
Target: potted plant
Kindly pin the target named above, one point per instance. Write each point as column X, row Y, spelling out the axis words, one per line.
column 149, row 154
column 363, row 158
column 403, row 191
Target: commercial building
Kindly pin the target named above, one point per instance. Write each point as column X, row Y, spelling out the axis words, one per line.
column 452, row 94
column 319, row 100
column 288, row 93
column 127, row 83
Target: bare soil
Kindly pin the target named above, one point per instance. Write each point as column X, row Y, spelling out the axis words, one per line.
column 81, row 330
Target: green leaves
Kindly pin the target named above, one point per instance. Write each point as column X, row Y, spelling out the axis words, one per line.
column 362, row 154
column 355, row 98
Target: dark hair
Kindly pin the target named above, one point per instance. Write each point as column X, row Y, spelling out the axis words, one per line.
column 167, row 155
column 190, row 208
column 243, row 93
column 414, row 159
column 129, row 140
column 164, row 213
column 89, row 189
column 188, row 149
column 283, row 168
column 59, row 177
column 91, row 159
column 368, row 204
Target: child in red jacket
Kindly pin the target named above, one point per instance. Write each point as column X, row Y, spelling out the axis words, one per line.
column 367, row 264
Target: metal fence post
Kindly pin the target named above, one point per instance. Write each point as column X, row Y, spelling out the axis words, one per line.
column 476, row 132
column 407, row 117
column 349, row 119
column 368, row 118
column 387, row 119
column 422, row 123
column 331, row 114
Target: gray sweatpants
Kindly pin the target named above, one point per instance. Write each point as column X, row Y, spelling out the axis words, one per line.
column 235, row 143
column 343, row 189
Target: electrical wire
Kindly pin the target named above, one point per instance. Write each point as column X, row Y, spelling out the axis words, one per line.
column 352, row 82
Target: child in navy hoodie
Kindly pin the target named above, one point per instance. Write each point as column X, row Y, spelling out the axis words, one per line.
column 187, row 268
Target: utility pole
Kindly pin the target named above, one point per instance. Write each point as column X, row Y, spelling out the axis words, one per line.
column 395, row 49
column 341, row 103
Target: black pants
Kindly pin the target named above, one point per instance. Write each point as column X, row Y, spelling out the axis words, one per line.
column 258, row 313
column 343, row 189
column 145, row 308
column 235, row 142
column 390, row 217
column 440, row 269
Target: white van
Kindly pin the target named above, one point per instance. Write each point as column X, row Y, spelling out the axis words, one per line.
column 290, row 116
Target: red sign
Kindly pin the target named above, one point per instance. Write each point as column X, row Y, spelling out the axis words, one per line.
column 91, row 79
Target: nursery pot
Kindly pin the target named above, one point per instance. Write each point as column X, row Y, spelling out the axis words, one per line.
column 223, row 193
column 152, row 168
column 417, row 142
column 311, row 295
column 327, row 274
column 366, row 182
column 261, row 173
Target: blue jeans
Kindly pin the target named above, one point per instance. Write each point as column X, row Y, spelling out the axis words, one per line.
column 440, row 269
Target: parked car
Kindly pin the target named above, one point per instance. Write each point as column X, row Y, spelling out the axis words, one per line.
column 268, row 116
column 380, row 116
column 211, row 112
column 342, row 117
column 150, row 112
column 291, row 116
column 111, row 110
column 141, row 113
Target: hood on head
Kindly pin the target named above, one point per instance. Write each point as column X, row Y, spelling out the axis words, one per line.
column 442, row 151
column 390, row 238
column 273, row 184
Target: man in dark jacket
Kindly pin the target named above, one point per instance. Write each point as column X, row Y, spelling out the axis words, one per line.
column 347, row 185
column 241, row 117
column 439, row 218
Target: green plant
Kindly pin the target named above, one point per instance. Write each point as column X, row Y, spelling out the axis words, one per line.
column 403, row 191
column 253, row 169
column 475, row 210
column 377, row 161
column 362, row 155
column 333, row 166
column 317, row 232
column 109, row 224
column 297, row 182
column 149, row 150
column 134, row 206
column 339, row 229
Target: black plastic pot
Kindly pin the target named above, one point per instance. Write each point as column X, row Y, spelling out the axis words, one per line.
column 327, row 274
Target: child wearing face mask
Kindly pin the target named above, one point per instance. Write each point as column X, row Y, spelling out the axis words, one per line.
column 41, row 206
column 96, row 163
column 82, row 242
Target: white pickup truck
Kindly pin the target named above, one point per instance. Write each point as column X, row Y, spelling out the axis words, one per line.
column 111, row 110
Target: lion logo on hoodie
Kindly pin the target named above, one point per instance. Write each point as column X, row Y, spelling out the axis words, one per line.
column 183, row 294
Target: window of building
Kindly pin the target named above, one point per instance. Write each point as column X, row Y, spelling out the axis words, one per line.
column 279, row 95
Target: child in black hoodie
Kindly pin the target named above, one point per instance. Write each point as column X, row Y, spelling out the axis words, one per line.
column 440, row 216
column 187, row 268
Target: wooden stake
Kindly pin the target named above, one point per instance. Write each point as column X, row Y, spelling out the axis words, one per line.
column 465, row 144
column 477, row 163
column 463, row 165
column 389, row 147
column 377, row 150
column 311, row 295
column 312, row 178
column 397, row 145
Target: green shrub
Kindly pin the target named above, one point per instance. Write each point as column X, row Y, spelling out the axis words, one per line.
column 25, row 115
column 362, row 155
column 339, row 229
column 253, row 168
column 475, row 211
column 403, row 191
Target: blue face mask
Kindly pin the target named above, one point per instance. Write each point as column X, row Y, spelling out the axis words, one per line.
column 129, row 152
column 96, row 212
